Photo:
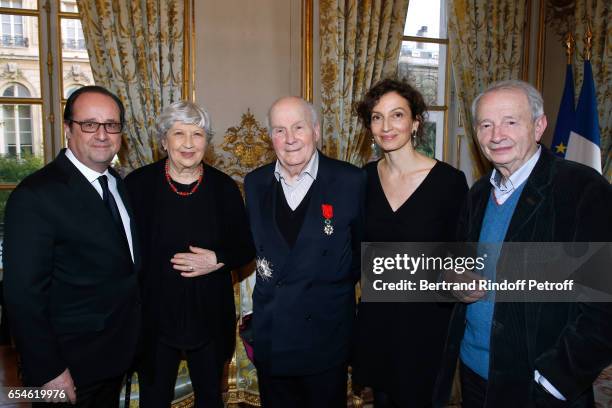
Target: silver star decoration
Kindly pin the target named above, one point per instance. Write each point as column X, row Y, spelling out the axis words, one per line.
column 263, row 268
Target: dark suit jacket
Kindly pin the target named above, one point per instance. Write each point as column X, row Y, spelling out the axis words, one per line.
column 568, row 343
column 303, row 314
column 69, row 281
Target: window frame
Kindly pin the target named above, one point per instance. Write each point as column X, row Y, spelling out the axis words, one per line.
column 42, row 100
column 46, row 14
column 75, row 37
column 51, row 101
column 447, row 80
column 61, row 15
column 12, row 23
column 17, row 118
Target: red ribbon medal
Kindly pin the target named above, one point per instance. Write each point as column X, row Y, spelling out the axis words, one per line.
column 328, row 214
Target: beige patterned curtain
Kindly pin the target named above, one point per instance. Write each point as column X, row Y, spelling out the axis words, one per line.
column 136, row 50
column 360, row 44
column 486, row 43
column 599, row 14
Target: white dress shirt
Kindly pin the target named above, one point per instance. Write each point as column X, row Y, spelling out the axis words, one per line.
column 296, row 191
column 92, row 176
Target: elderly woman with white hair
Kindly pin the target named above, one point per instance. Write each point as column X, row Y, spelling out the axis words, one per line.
column 193, row 228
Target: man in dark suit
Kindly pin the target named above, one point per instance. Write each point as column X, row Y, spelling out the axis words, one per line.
column 305, row 212
column 528, row 354
column 69, row 257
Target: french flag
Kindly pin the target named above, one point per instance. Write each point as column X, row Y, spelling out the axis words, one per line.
column 566, row 117
column 584, row 141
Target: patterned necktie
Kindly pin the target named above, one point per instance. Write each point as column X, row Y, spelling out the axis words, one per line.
column 109, row 201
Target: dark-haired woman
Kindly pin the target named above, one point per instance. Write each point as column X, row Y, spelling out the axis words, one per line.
column 410, row 198
column 193, row 227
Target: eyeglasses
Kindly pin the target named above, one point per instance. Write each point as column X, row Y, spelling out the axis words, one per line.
column 92, row 127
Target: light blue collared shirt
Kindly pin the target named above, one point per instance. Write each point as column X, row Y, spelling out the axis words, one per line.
column 503, row 189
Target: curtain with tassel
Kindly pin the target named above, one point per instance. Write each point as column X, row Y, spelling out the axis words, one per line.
column 598, row 13
column 136, row 51
column 360, row 44
column 486, row 43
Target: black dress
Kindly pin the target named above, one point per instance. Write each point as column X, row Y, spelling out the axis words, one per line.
column 188, row 313
column 398, row 347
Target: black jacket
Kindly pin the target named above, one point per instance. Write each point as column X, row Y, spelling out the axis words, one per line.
column 70, row 284
column 303, row 314
column 568, row 343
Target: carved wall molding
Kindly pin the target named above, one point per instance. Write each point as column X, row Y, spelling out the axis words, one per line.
column 245, row 147
column 11, row 72
column 76, row 74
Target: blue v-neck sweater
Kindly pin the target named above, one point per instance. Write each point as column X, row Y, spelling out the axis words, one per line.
column 477, row 335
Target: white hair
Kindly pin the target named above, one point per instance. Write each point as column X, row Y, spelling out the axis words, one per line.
column 314, row 115
column 536, row 103
column 185, row 112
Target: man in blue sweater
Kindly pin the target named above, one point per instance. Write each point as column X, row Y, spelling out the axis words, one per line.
column 528, row 354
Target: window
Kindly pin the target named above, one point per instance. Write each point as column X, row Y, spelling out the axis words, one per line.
column 12, row 26
column 16, row 124
column 72, row 35
column 76, row 71
column 424, row 63
column 38, row 38
column 69, row 6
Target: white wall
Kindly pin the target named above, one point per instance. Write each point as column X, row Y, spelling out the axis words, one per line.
column 247, row 54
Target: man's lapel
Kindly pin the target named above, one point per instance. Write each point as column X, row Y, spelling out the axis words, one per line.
column 479, row 205
column 531, row 198
column 86, row 198
column 312, row 225
column 313, row 221
column 128, row 207
column 312, row 218
column 273, row 237
column 88, row 202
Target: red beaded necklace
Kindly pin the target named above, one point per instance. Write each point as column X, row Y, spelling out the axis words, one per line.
column 173, row 187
